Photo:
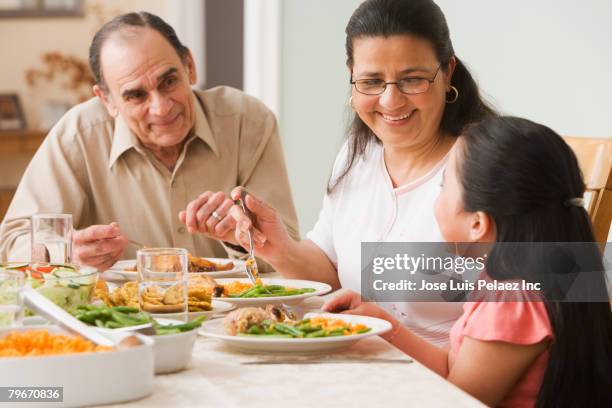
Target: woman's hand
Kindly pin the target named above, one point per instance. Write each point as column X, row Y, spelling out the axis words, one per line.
column 349, row 302
column 270, row 236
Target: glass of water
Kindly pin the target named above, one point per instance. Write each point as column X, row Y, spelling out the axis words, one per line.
column 162, row 281
column 51, row 238
column 11, row 300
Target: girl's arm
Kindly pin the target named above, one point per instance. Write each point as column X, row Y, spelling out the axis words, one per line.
column 487, row 370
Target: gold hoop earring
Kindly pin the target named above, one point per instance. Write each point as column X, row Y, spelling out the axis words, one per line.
column 349, row 103
column 456, row 95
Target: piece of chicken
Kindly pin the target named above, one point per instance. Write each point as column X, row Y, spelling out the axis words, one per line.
column 240, row 320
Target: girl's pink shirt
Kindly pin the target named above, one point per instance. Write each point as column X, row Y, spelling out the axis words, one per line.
column 522, row 323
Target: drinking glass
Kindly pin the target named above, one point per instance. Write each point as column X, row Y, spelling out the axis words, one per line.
column 51, row 238
column 11, row 300
column 162, row 281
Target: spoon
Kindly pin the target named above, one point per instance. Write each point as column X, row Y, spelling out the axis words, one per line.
column 50, row 311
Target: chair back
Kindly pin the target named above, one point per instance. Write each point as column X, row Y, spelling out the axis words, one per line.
column 595, row 160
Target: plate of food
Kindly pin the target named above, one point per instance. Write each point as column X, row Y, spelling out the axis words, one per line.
column 40, row 356
column 213, row 267
column 199, row 291
column 256, row 329
column 241, row 292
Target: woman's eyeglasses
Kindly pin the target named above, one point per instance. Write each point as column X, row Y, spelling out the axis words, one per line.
column 409, row 86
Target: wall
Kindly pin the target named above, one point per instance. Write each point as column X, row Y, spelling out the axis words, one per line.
column 547, row 60
column 314, row 90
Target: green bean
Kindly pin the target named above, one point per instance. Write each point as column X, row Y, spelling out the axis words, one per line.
column 197, row 322
column 112, row 325
column 272, row 288
column 307, row 328
column 126, row 320
column 283, row 336
column 125, row 309
column 255, row 330
column 367, row 329
column 99, row 323
column 287, row 329
column 337, row 332
column 248, row 291
column 318, row 333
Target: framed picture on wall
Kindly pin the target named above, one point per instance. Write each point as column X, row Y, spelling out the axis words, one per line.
column 11, row 114
column 41, row 8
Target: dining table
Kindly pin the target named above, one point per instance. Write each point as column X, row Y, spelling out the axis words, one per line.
column 371, row 373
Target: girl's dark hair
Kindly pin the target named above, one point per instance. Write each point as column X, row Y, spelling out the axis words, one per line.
column 140, row 19
column 423, row 19
column 522, row 174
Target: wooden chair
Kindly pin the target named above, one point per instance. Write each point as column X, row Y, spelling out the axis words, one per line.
column 595, row 160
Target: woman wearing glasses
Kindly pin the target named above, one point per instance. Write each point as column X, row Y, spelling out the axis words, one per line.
column 411, row 97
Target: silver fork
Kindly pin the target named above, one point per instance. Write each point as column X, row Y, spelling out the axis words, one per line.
column 251, row 264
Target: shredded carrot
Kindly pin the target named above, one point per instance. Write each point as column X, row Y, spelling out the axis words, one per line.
column 235, row 288
column 41, row 342
column 334, row 324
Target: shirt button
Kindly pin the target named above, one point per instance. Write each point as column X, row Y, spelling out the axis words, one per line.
column 182, row 230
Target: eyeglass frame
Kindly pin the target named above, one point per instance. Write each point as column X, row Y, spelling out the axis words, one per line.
column 396, row 83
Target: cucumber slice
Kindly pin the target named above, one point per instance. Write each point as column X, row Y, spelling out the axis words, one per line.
column 16, row 266
column 65, row 273
column 64, row 266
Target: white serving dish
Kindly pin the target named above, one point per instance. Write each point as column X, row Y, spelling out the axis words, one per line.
column 173, row 351
column 214, row 329
column 119, row 269
column 87, row 378
column 320, row 289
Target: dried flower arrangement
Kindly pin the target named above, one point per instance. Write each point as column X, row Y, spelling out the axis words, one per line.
column 75, row 74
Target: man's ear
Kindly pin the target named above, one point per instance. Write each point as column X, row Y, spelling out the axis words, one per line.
column 191, row 68
column 106, row 100
column 482, row 227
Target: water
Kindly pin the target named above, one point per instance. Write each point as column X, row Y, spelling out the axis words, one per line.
column 163, row 297
column 10, row 315
column 53, row 250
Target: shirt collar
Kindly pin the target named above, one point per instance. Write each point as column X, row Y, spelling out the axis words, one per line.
column 124, row 139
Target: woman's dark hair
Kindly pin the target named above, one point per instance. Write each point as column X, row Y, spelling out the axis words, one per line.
column 140, row 19
column 521, row 174
column 423, row 19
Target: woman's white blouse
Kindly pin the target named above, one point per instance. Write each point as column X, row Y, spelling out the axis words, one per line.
column 366, row 207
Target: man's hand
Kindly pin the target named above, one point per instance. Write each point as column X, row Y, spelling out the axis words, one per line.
column 209, row 214
column 99, row 246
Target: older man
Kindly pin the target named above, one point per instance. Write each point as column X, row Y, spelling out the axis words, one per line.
column 131, row 163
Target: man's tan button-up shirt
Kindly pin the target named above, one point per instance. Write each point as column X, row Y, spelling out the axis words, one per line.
column 92, row 166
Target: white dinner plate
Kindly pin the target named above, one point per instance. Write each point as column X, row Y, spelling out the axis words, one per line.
column 119, row 269
column 214, row 329
column 319, row 287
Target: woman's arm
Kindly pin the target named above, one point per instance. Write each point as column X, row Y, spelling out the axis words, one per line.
column 305, row 260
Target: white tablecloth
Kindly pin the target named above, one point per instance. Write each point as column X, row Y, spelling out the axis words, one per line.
column 217, row 378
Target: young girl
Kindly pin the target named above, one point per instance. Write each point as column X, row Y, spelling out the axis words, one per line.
column 512, row 180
